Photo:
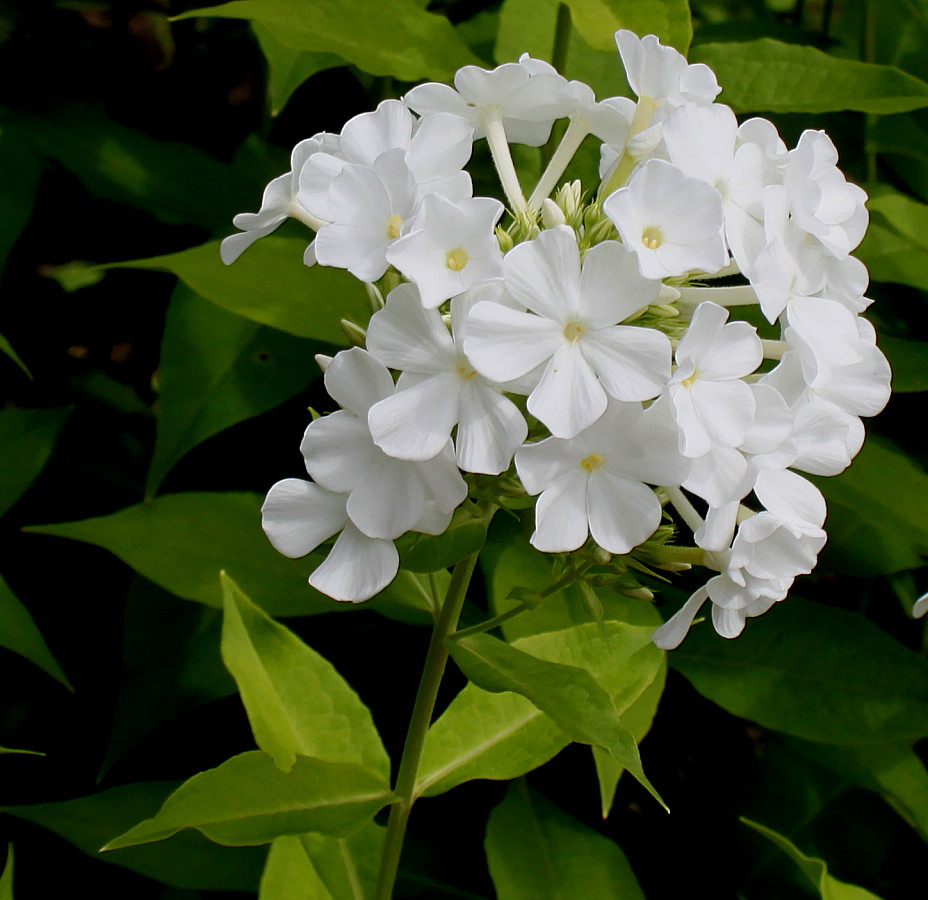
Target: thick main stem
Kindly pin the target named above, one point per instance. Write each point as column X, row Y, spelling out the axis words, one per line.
column 432, row 672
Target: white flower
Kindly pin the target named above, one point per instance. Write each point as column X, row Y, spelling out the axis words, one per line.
column 527, row 96
column 671, row 221
column 298, row 515
column 757, row 572
column 571, row 330
column 278, row 203
column 661, row 75
column 710, row 402
column 438, row 390
column 596, row 483
column 387, row 496
column 450, row 246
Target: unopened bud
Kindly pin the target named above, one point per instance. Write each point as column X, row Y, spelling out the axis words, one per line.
column 356, row 335
column 323, row 361
column 505, row 239
column 374, row 295
column 551, row 214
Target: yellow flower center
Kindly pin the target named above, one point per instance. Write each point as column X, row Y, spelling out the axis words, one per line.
column 592, row 462
column 688, row 382
column 394, row 224
column 457, row 259
column 652, row 237
column 465, row 371
column 573, row 331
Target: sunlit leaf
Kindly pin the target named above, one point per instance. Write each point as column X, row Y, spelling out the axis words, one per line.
column 187, row 860
column 18, row 632
column 828, row 887
column 27, row 437
column 297, row 702
column 598, row 21
column 535, row 851
column 248, row 800
column 7, row 349
column 390, row 37
column 767, row 75
column 812, row 671
column 288, row 68
column 504, row 735
column 218, row 369
column 269, row 284
column 318, row 867
column 568, row 694
column 876, row 522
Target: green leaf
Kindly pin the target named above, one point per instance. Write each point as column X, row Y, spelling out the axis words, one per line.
column 181, row 542
column 318, row 867
column 187, row 861
column 18, row 632
column 20, row 171
column 876, row 512
column 171, row 664
column 6, row 879
column 27, row 437
column 390, row 37
column 218, row 369
column 504, row 735
column 767, row 75
column 248, row 800
column 297, row 702
column 892, row 770
column 7, row 348
column 4, row 750
column 895, row 248
column 174, row 182
column 598, row 21
column 433, row 553
column 536, row 851
column 288, row 68
column 568, row 694
column 828, row 887
column 909, row 362
column 269, row 284
column 812, row 671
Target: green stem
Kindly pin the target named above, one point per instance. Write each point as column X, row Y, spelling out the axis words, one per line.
column 495, row 622
column 432, row 672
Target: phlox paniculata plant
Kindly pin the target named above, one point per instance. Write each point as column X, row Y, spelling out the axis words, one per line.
column 584, row 348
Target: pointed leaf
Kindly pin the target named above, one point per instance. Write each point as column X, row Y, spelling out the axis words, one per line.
column 504, row 735
column 18, row 632
column 812, row 671
column 181, row 542
column 598, row 21
column 20, row 171
column 218, row 369
column 770, row 76
column 317, row 867
column 27, row 437
column 359, row 32
column 432, row 553
column 4, row 750
column 297, row 702
column 536, row 851
column 186, row 861
column 828, row 887
column 7, row 348
column 269, row 284
column 569, row 695
column 248, row 800
column 895, row 248
column 6, row 879
column 288, row 68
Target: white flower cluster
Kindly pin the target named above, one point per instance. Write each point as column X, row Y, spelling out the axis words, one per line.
column 609, row 313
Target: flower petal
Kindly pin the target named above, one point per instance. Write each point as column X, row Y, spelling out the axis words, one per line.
column 357, row 567
column 297, row 516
